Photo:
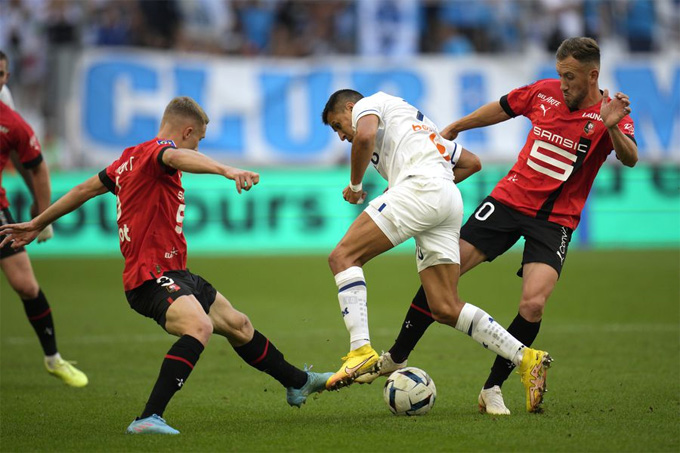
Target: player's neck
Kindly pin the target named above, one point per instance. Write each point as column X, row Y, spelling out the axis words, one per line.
column 168, row 134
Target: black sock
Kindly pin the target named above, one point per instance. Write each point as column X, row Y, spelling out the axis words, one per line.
column 261, row 354
column 526, row 332
column 418, row 319
column 39, row 315
column 177, row 365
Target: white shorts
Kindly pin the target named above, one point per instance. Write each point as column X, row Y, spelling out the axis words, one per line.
column 427, row 209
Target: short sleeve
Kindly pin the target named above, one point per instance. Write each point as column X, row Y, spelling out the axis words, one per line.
column 108, row 178
column 155, row 165
column 27, row 146
column 363, row 107
column 627, row 126
column 455, row 150
column 159, row 159
column 519, row 101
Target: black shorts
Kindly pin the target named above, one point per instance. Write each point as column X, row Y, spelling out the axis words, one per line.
column 494, row 227
column 153, row 297
column 7, row 250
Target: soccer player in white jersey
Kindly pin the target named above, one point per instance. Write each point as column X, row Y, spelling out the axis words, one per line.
column 422, row 202
column 575, row 127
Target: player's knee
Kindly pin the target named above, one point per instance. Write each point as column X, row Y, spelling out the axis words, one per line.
column 445, row 314
column 532, row 308
column 337, row 260
column 237, row 329
column 200, row 328
column 27, row 289
column 243, row 329
column 446, row 308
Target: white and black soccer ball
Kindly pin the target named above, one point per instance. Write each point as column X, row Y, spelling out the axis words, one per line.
column 410, row 391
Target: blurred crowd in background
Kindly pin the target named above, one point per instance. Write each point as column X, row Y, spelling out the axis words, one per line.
column 302, row 28
column 34, row 33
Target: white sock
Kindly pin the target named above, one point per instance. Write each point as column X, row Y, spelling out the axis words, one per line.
column 353, row 305
column 484, row 330
column 51, row 360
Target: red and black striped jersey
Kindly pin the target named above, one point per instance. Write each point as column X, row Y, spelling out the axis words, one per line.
column 563, row 152
column 150, row 212
column 16, row 135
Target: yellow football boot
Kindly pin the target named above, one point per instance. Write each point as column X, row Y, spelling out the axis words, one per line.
column 67, row 372
column 356, row 363
column 533, row 371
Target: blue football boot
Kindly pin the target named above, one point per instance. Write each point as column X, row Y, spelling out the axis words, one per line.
column 150, row 425
column 316, row 383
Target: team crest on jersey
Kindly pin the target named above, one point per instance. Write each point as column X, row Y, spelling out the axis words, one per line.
column 589, row 128
column 173, row 288
column 166, row 142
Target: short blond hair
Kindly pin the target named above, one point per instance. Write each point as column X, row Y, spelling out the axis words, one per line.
column 185, row 107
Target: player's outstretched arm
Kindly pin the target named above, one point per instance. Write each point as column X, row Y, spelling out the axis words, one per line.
column 192, row 161
column 486, row 115
column 468, row 164
column 612, row 112
column 20, row 234
column 38, row 175
column 42, row 194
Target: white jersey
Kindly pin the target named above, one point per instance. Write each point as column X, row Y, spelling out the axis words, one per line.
column 6, row 97
column 407, row 142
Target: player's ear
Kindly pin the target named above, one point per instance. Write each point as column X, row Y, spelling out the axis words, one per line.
column 187, row 132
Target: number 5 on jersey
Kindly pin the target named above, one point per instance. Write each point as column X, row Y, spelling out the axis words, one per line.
column 179, row 218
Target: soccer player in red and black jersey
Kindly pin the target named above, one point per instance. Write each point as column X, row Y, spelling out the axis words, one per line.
column 575, row 126
column 146, row 180
column 16, row 136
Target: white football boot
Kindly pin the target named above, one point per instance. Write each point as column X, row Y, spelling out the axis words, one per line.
column 491, row 402
column 383, row 367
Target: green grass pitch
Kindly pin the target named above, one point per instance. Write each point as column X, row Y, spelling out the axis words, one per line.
column 612, row 326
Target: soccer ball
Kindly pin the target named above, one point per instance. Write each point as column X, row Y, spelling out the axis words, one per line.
column 410, row 391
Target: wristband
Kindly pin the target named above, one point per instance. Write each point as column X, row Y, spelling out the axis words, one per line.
column 355, row 187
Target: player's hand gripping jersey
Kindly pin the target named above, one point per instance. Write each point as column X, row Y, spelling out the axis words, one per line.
column 150, row 212
column 561, row 157
column 407, row 142
column 16, row 135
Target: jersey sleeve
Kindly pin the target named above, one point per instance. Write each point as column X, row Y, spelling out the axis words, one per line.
column 627, row 126
column 159, row 148
column 27, row 145
column 108, row 178
column 454, row 149
column 365, row 106
column 519, row 101
column 159, row 158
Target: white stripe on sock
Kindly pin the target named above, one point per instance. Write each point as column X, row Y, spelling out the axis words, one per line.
column 352, row 296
